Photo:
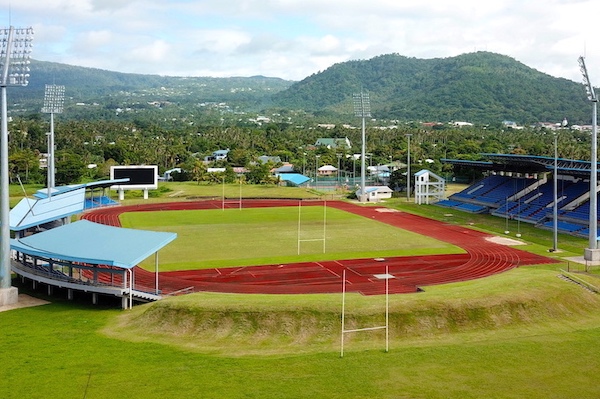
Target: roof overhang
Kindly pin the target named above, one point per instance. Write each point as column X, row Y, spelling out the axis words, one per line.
column 34, row 212
column 294, row 178
column 93, row 243
column 525, row 164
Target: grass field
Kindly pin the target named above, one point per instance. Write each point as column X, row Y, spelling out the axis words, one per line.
column 254, row 236
column 520, row 334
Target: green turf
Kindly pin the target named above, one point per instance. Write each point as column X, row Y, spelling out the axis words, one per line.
column 550, row 349
column 520, row 334
column 253, row 236
column 177, row 191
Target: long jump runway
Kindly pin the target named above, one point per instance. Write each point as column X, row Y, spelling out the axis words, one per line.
column 406, row 274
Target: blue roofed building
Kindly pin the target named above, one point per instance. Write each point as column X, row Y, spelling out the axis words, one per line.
column 293, row 179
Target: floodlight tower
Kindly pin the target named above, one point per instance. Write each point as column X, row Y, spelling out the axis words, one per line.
column 555, row 205
column 592, row 252
column 54, row 99
column 15, row 49
column 408, row 178
column 362, row 109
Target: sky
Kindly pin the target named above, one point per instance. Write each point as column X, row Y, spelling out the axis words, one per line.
column 293, row 39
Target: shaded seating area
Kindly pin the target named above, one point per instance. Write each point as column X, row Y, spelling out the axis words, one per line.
column 492, row 190
column 528, row 200
column 98, row 202
column 567, row 227
column 534, row 206
column 90, row 257
column 487, row 194
column 506, row 193
column 463, row 206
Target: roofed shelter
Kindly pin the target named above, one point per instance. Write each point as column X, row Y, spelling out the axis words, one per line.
column 327, row 170
column 30, row 212
column 92, row 257
column 56, row 205
column 293, row 179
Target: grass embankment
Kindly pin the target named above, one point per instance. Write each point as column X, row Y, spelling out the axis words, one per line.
column 521, row 334
column 525, row 301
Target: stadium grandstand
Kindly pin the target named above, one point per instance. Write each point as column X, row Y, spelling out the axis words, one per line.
column 81, row 256
column 520, row 187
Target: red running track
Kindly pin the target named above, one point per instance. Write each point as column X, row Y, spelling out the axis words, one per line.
column 482, row 258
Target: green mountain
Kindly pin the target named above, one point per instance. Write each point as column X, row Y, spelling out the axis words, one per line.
column 479, row 87
column 91, row 85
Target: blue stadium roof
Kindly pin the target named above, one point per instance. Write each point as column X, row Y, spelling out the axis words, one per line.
column 94, row 243
column 64, row 201
column 34, row 212
column 295, row 178
column 43, row 193
column 526, row 164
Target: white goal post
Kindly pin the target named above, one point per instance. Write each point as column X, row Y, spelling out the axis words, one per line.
column 385, row 327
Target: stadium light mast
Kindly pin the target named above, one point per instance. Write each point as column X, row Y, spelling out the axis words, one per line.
column 54, row 99
column 592, row 252
column 317, row 156
column 555, row 205
column 408, row 136
column 15, row 49
column 362, row 109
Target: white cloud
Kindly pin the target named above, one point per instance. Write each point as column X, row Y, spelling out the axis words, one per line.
column 295, row 38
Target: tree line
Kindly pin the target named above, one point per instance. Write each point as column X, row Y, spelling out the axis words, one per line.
column 85, row 149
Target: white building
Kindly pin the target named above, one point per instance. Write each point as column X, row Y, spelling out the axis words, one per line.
column 376, row 193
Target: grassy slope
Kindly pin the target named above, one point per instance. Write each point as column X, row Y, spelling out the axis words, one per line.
column 488, row 338
column 490, row 308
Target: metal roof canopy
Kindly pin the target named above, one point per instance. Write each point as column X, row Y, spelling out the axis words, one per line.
column 94, row 243
column 295, row 178
column 43, row 193
column 526, row 164
column 65, row 201
column 34, row 212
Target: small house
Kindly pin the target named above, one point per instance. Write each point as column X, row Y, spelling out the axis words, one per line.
column 334, row 143
column 376, row 193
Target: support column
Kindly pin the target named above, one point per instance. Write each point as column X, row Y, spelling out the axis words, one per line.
column 9, row 296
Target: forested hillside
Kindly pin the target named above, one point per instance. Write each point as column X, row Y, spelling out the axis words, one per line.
column 478, row 87
column 114, row 118
column 113, row 89
column 481, row 87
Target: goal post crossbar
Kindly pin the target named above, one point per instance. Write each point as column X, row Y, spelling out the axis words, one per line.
column 323, row 238
column 236, row 202
column 365, row 329
column 387, row 314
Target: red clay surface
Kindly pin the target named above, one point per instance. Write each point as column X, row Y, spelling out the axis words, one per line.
column 482, row 258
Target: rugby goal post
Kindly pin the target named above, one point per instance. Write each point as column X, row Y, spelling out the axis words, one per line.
column 224, row 200
column 323, row 238
column 385, row 327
